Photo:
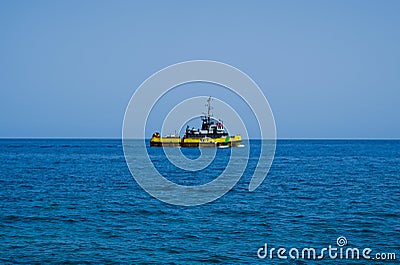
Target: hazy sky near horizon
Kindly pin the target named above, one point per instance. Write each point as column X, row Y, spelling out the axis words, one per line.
column 329, row 69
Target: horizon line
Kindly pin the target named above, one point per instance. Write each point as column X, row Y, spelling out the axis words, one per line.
column 120, row 138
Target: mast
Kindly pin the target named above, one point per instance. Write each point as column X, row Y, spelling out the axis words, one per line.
column 209, row 108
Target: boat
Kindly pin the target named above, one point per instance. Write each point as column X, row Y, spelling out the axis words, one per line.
column 211, row 134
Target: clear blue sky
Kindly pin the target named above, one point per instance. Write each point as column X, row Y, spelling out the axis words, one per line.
column 330, row 69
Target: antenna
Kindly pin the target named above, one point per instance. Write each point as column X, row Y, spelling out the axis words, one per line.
column 208, row 105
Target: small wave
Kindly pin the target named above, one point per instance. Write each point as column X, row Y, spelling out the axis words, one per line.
column 47, row 146
column 391, row 215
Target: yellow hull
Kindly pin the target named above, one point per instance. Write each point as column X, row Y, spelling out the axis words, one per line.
column 165, row 141
column 196, row 142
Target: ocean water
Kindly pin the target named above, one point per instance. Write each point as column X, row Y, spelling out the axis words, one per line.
column 75, row 202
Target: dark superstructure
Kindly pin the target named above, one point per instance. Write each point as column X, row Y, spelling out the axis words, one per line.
column 209, row 128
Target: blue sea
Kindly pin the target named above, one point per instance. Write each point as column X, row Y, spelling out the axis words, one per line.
column 75, row 202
